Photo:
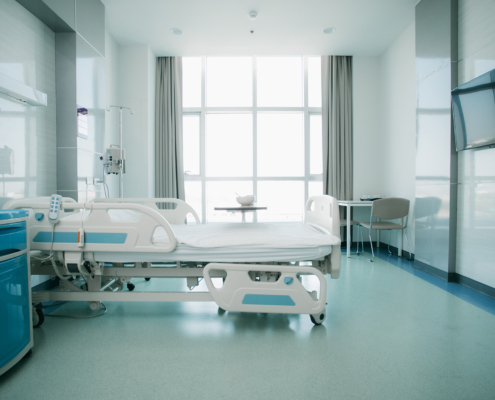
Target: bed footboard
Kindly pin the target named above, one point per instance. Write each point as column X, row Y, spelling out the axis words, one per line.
column 282, row 292
column 323, row 213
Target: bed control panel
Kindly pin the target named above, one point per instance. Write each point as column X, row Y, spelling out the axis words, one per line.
column 55, row 203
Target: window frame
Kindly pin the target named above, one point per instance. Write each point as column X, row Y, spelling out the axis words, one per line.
column 203, row 110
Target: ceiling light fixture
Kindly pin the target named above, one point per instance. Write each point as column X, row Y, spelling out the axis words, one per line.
column 328, row 31
column 176, row 31
column 253, row 15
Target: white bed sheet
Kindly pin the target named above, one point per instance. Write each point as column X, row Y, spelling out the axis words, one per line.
column 260, row 235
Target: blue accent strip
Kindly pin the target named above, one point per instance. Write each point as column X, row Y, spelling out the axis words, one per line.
column 107, row 238
column 268, row 300
column 60, row 237
column 89, row 237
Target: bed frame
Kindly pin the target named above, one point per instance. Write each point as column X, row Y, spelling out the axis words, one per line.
column 251, row 287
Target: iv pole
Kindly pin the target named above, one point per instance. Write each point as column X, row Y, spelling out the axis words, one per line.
column 120, row 161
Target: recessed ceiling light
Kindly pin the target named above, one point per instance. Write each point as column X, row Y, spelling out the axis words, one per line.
column 176, row 31
column 328, row 31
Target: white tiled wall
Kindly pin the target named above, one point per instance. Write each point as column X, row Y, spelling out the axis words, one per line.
column 476, row 190
column 27, row 53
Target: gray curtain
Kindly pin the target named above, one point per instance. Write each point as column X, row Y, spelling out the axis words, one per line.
column 336, row 80
column 169, row 178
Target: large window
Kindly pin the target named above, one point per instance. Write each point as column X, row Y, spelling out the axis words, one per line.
column 252, row 125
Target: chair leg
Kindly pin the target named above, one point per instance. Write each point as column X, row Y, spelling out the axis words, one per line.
column 357, row 243
column 372, row 252
column 389, row 233
column 362, row 240
column 362, row 248
column 408, row 248
column 360, row 233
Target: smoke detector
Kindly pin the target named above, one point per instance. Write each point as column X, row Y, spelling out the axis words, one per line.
column 253, row 15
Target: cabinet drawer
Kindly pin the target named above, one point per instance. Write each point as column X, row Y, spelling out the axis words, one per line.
column 12, row 238
column 14, row 308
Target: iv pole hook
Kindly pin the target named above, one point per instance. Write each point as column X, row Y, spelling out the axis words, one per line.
column 120, row 161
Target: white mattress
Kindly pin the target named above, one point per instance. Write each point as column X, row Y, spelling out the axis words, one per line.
column 233, row 254
column 229, row 242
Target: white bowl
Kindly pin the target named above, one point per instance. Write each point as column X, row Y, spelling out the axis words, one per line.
column 246, row 200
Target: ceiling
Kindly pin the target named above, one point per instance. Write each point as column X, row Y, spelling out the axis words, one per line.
column 283, row 27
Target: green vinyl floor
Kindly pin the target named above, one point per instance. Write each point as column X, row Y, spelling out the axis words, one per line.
column 388, row 335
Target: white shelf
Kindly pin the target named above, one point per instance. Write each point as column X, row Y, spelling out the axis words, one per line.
column 22, row 92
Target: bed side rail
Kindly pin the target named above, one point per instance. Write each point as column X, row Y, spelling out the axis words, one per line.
column 323, row 212
column 101, row 232
column 38, row 205
column 176, row 216
column 140, row 232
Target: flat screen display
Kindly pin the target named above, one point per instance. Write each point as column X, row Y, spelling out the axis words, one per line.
column 473, row 111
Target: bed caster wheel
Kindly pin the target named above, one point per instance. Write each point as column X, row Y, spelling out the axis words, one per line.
column 38, row 317
column 131, row 286
column 317, row 319
column 147, row 279
column 94, row 305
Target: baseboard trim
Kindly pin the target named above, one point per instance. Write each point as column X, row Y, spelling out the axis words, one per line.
column 454, row 277
column 474, row 285
column 47, row 285
column 393, row 249
column 444, row 275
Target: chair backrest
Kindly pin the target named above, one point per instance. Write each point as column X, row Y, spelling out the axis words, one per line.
column 390, row 208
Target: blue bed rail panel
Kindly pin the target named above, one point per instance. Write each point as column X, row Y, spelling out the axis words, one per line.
column 268, row 300
column 89, row 237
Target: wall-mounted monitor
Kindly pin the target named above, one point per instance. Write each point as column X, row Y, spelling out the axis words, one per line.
column 473, row 111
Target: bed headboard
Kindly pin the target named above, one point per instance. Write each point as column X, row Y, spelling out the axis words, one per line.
column 323, row 212
column 176, row 216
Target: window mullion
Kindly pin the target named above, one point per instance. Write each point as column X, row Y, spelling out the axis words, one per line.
column 255, row 133
column 306, row 131
column 203, row 140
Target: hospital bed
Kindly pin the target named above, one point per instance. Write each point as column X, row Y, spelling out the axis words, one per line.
column 99, row 246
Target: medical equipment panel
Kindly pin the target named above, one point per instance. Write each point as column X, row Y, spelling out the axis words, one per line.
column 15, row 299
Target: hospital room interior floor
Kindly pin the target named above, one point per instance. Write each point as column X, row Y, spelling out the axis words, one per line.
column 391, row 332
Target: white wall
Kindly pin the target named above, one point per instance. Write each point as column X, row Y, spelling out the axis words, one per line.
column 27, row 54
column 476, row 189
column 112, row 97
column 384, row 95
column 367, row 173
column 397, row 124
column 136, row 84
